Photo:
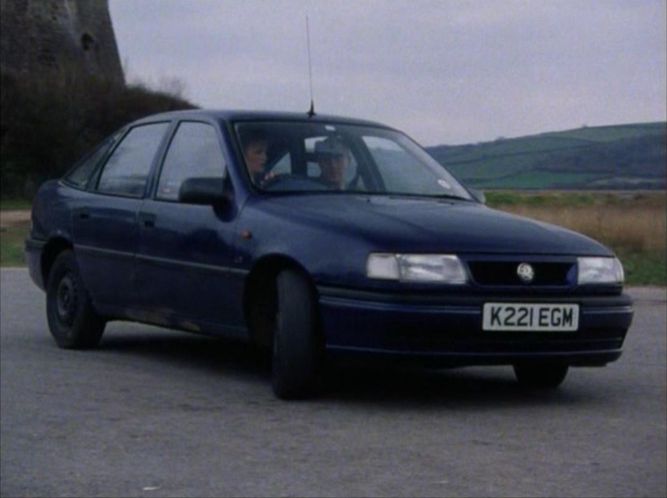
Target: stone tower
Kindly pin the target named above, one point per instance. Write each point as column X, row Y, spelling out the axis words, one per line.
column 74, row 35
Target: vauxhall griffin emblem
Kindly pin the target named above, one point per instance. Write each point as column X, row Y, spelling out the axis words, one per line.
column 525, row 272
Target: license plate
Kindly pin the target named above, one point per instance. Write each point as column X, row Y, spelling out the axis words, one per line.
column 538, row 317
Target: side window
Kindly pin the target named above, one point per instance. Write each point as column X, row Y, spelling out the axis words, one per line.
column 194, row 152
column 126, row 171
column 313, row 169
column 283, row 165
column 81, row 173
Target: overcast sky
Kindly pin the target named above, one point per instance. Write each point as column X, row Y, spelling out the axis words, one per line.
column 444, row 71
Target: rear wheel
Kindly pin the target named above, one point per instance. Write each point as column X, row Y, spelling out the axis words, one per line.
column 540, row 376
column 73, row 322
column 297, row 344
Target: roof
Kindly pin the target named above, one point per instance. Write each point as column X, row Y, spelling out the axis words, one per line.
column 241, row 115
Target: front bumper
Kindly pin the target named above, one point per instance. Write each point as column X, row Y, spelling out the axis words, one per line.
column 448, row 329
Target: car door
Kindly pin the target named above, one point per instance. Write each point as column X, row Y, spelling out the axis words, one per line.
column 104, row 224
column 185, row 256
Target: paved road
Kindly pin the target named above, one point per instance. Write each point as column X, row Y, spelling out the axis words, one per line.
column 159, row 413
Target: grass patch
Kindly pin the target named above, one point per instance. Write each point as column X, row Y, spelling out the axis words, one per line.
column 644, row 268
column 13, row 204
column 12, row 240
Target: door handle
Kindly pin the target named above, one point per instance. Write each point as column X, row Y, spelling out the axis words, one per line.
column 84, row 214
column 147, row 219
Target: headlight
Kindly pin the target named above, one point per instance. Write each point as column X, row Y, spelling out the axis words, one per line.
column 444, row 268
column 600, row 271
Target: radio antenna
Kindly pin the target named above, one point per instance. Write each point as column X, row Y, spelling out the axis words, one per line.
column 311, row 112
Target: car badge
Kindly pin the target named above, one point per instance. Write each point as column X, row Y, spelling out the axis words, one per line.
column 525, row 272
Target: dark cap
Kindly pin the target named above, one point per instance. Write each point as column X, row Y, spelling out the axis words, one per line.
column 331, row 146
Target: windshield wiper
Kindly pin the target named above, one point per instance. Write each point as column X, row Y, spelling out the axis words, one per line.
column 426, row 196
column 450, row 196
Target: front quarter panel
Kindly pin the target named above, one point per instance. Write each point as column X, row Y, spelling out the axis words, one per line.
column 329, row 255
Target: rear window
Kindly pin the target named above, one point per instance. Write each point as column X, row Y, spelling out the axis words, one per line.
column 80, row 174
column 126, row 171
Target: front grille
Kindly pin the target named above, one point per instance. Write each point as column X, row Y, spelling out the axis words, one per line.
column 505, row 273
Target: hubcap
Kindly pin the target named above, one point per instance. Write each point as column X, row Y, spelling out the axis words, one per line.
column 66, row 300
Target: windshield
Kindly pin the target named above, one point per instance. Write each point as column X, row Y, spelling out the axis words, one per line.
column 318, row 157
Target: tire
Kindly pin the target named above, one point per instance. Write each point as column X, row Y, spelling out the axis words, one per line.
column 73, row 322
column 297, row 344
column 545, row 376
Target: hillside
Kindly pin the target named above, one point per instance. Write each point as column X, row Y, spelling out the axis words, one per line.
column 631, row 156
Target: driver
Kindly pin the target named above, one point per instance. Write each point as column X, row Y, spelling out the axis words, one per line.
column 255, row 143
column 333, row 159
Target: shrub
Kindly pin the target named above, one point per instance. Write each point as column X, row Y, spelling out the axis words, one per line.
column 49, row 121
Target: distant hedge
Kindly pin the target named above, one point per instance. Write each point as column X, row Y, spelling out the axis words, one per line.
column 48, row 122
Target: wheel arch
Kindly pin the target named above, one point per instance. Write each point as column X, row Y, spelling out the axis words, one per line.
column 51, row 250
column 260, row 295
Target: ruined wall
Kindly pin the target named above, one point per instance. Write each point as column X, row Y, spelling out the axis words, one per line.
column 42, row 35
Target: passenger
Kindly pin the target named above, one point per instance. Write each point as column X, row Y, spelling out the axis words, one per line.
column 333, row 158
column 255, row 145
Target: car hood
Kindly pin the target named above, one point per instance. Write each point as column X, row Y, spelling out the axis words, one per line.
column 404, row 224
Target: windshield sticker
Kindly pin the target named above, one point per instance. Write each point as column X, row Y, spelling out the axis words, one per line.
column 444, row 184
column 330, row 128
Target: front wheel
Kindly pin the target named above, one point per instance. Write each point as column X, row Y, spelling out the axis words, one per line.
column 73, row 322
column 297, row 343
column 540, row 376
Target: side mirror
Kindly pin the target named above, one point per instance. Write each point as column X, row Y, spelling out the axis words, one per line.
column 478, row 195
column 202, row 190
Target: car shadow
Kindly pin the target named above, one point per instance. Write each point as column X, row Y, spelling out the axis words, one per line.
column 190, row 351
column 379, row 383
column 462, row 388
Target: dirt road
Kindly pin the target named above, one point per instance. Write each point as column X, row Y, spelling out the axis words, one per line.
column 14, row 217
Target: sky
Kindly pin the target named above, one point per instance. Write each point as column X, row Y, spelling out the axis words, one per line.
column 443, row 71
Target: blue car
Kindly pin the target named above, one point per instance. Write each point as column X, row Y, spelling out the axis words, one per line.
column 315, row 236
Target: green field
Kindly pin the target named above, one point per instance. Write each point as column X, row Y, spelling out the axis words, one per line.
column 603, row 157
column 536, row 179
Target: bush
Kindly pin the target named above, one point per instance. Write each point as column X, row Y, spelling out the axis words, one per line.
column 49, row 121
